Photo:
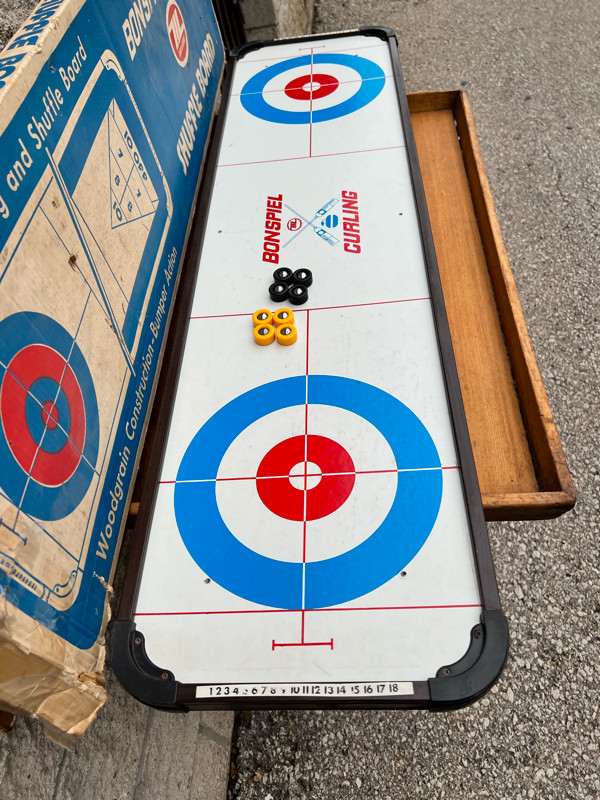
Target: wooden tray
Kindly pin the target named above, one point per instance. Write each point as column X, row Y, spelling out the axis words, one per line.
column 520, row 462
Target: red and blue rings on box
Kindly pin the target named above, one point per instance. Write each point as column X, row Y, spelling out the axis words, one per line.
column 49, row 429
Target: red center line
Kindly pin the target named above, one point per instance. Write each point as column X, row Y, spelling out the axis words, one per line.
column 275, row 644
column 321, row 308
column 318, row 155
column 341, row 83
column 305, row 478
column 311, row 103
column 374, row 303
column 312, row 474
column 305, row 610
column 303, row 642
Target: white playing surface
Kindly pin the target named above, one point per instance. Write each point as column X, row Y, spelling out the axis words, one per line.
column 368, row 319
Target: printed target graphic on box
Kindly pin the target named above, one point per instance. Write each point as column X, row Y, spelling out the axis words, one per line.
column 60, row 396
column 89, row 263
column 97, row 149
column 310, row 512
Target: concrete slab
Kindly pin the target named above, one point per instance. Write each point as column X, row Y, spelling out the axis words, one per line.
column 276, row 19
column 208, row 784
column 110, row 755
column 29, row 763
column 217, row 724
column 196, row 768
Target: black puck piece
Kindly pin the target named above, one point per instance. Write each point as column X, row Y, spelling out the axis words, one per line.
column 298, row 294
column 278, row 291
column 282, row 275
column 303, row 277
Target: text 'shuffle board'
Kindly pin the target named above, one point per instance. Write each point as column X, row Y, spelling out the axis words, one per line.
column 313, row 534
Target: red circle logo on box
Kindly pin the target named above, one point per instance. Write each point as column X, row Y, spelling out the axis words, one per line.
column 177, row 33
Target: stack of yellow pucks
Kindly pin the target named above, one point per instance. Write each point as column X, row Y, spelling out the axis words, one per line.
column 269, row 326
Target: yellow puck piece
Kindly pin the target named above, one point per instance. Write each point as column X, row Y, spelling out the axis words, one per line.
column 286, row 334
column 264, row 334
column 285, row 316
column 262, row 317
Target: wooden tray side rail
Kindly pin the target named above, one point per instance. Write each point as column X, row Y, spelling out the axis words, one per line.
column 520, row 462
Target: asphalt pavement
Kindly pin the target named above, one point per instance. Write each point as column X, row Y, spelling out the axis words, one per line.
column 531, row 72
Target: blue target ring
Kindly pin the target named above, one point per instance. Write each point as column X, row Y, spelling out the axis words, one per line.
column 331, row 581
column 43, row 416
column 372, row 82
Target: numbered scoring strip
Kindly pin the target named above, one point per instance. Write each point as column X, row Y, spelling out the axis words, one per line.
column 306, row 690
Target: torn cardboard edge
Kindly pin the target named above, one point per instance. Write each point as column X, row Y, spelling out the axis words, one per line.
column 44, row 676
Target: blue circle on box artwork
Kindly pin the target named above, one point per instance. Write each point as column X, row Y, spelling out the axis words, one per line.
column 49, row 424
column 331, row 581
column 372, row 80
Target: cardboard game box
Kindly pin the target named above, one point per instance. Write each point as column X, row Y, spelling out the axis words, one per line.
column 104, row 117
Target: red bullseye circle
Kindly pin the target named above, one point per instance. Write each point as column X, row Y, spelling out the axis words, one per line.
column 319, row 85
column 331, row 492
column 26, row 367
column 49, row 414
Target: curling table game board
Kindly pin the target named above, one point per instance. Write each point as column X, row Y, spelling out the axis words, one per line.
column 311, row 533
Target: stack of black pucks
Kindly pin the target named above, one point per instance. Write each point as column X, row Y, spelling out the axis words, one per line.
column 292, row 286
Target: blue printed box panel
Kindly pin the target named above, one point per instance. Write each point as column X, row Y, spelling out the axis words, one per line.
column 101, row 145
